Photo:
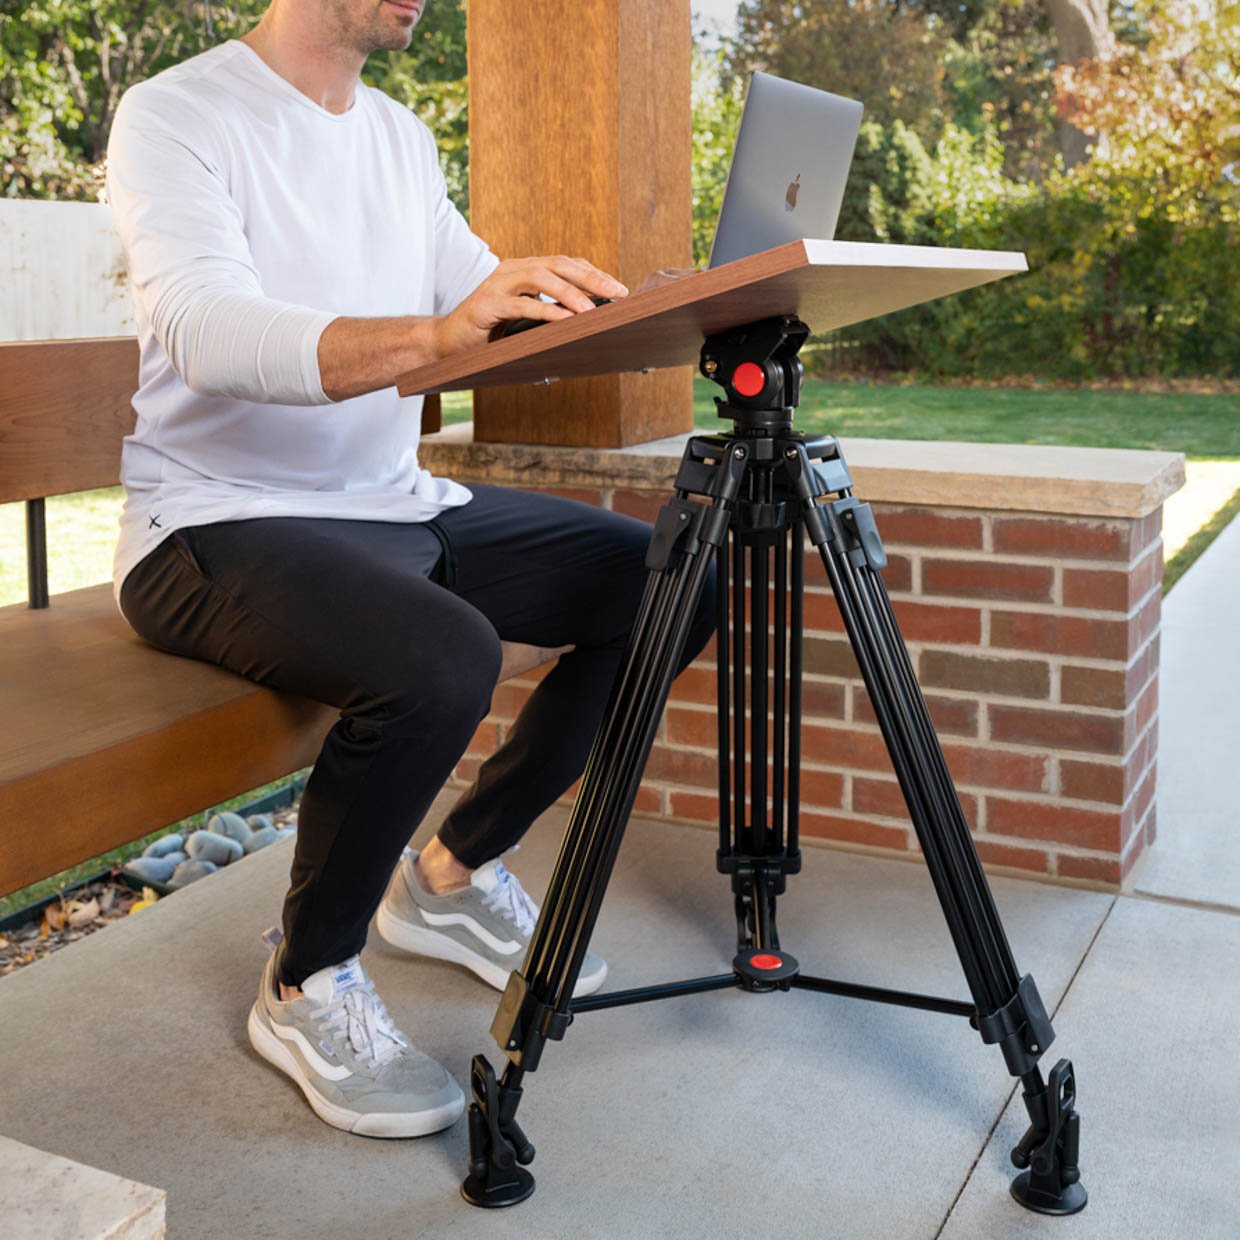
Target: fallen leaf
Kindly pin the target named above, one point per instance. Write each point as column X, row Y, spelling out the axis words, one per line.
column 54, row 916
column 82, row 912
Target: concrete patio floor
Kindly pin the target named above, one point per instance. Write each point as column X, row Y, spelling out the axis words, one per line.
column 717, row 1115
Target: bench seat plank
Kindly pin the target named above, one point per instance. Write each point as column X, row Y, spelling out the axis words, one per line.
column 106, row 739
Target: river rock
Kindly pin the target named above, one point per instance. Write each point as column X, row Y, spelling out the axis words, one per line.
column 191, row 871
column 153, row 869
column 231, row 825
column 261, row 838
column 208, row 846
column 258, row 821
column 165, row 845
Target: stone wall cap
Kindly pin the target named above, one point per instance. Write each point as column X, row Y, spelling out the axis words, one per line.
column 1092, row 482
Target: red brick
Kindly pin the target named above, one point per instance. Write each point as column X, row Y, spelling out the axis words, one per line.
column 1094, row 686
column 1069, row 539
column 1041, row 820
column 1135, row 813
column 854, row 831
column 822, row 788
column 1058, row 729
column 997, row 768
column 822, row 699
column 694, row 806
column 924, row 527
column 988, row 579
column 649, row 801
column 829, row 656
column 692, row 727
column 1052, row 633
column 897, row 576
column 934, row 622
column 508, row 699
column 844, row 747
column 682, row 766
column 1004, row 677
column 1094, row 781
column 466, row 770
column 821, row 613
column 484, row 742
column 696, row 683
column 644, row 505
column 1106, row 870
column 1147, row 706
column 994, row 853
column 950, row 716
column 1112, row 589
column 883, row 797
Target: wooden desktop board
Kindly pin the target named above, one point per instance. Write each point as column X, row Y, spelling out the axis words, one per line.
column 829, row 284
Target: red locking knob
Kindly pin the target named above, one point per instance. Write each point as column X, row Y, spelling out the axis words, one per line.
column 764, row 961
column 749, row 379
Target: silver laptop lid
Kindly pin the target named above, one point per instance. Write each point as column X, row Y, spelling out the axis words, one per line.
column 789, row 168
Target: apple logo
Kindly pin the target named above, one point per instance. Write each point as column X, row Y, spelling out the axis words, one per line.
column 790, row 199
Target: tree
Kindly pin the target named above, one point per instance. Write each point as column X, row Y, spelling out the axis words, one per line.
column 1083, row 32
column 886, row 55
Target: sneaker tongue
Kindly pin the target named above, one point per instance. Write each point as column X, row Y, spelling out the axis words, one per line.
column 328, row 984
column 488, row 877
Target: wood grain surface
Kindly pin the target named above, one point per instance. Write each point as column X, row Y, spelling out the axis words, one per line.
column 586, row 153
column 830, row 284
column 64, row 408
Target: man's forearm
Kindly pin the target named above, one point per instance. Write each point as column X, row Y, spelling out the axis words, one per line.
column 364, row 355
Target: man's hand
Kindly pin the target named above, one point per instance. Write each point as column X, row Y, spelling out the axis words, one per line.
column 512, row 291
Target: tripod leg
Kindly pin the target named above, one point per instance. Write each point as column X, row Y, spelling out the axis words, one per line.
column 536, row 1003
column 1009, row 1009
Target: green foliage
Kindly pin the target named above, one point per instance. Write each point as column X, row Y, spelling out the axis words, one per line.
column 64, row 65
column 717, row 104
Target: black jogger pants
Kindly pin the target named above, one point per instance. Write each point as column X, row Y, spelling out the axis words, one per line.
column 399, row 626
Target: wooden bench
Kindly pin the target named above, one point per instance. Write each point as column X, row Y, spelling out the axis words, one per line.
column 104, row 738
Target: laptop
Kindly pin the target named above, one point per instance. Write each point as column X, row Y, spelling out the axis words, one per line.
column 789, row 168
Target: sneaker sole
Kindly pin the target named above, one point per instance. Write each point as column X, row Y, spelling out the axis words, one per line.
column 401, row 1124
column 423, row 942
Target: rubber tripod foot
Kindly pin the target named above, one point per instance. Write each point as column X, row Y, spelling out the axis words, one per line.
column 516, row 1188
column 1069, row 1200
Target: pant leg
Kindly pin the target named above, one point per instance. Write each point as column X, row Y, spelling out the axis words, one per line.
column 552, row 572
column 343, row 612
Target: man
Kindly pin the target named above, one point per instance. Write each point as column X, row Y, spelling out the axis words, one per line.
column 292, row 250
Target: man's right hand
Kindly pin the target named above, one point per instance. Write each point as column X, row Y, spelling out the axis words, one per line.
column 512, row 291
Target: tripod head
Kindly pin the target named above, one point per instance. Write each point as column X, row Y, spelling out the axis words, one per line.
column 758, row 368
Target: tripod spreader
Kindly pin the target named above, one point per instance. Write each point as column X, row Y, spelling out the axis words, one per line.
column 749, row 500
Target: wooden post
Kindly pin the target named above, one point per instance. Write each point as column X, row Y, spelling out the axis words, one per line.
column 580, row 144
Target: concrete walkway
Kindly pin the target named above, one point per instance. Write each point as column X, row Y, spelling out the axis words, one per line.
column 718, row 1115
column 1197, row 855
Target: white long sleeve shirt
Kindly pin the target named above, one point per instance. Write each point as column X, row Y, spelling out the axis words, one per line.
column 251, row 218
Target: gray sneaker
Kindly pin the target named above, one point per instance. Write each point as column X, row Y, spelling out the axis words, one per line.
column 355, row 1067
column 485, row 926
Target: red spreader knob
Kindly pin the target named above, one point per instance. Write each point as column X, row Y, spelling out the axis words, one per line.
column 764, row 961
column 749, row 378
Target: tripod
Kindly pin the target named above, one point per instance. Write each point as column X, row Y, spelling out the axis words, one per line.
column 767, row 488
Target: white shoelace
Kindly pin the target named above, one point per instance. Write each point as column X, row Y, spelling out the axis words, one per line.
column 359, row 1014
column 512, row 902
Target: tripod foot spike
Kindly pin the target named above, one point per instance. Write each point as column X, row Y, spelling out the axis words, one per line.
column 496, row 1143
column 1051, row 1183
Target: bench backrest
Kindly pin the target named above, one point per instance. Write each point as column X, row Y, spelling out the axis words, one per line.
column 64, row 409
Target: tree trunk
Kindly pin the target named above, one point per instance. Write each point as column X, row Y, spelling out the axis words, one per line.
column 1084, row 33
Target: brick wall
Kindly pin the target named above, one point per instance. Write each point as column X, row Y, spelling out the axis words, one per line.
column 1036, row 641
